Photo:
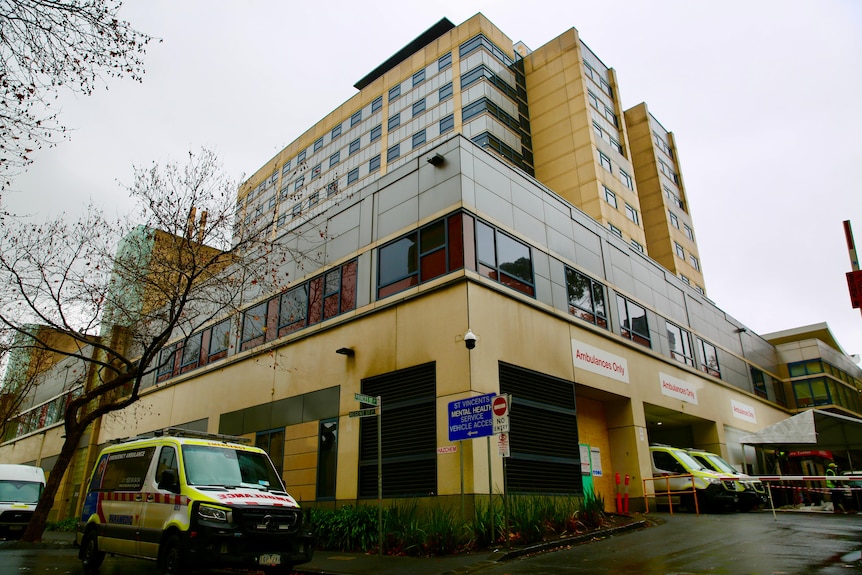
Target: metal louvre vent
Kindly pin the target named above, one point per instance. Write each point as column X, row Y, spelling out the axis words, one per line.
column 409, row 434
column 545, row 457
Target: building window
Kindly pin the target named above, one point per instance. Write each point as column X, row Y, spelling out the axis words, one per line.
column 327, row 449
column 680, row 252
column 445, row 92
column 352, row 176
column 273, row 443
column 331, row 188
column 418, row 107
column 374, row 164
column 605, row 161
column 318, row 144
column 674, row 221
column 336, row 131
column 191, row 354
column 709, row 358
column 420, row 256
column 282, row 219
column 315, row 171
column 679, row 341
column 219, row 340
column 504, row 259
column 334, row 159
column 633, row 321
column 393, row 153
column 610, row 197
column 376, row 104
column 447, row 123
column 685, row 279
column 606, row 88
column 376, row 131
column 271, row 203
column 300, row 158
column 254, row 323
column 285, row 169
column 313, row 199
column 166, row 362
column 615, row 230
column 758, row 379
column 355, row 118
column 627, row 180
column 637, row 246
column 688, row 232
column 632, row 214
column 586, row 298
column 353, row 147
column 594, row 100
column 611, row 117
column 418, row 77
column 394, row 92
column 298, row 183
column 293, row 309
column 418, row 138
column 297, row 209
column 394, row 122
column 694, row 262
column 444, row 61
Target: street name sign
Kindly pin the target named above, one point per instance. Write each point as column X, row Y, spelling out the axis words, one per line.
column 367, row 399
column 363, row 412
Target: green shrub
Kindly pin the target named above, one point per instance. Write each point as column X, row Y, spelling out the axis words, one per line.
column 68, row 525
column 349, row 528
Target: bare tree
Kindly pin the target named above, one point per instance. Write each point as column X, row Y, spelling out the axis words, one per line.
column 46, row 45
column 118, row 291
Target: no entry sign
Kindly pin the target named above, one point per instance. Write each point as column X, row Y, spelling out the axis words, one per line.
column 500, row 406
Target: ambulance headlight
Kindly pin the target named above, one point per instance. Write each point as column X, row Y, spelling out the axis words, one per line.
column 211, row 513
column 713, row 480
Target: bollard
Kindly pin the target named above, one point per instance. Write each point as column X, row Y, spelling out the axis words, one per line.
column 619, row 495
column 626, row 505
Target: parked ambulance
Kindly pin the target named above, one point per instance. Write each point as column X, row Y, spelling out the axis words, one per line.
column 191, row 501
column 21, row 487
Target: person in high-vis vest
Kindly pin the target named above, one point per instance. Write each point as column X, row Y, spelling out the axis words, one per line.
column 835, row 488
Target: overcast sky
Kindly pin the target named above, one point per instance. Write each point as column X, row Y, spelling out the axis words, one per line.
column 762, row 96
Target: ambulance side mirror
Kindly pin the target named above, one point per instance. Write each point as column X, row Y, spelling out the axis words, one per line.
column 169, row 481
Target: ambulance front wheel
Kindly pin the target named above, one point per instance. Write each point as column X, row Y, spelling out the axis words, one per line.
column 173, row 556
column 91, row 557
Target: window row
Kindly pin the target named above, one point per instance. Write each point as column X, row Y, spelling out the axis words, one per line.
column 625, row 177
column 318, row 299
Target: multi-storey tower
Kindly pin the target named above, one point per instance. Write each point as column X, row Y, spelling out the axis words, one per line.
column 554, row 112
column 663, row 199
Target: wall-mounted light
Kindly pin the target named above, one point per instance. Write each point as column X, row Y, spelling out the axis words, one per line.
column 436, row 160
column 348, row 351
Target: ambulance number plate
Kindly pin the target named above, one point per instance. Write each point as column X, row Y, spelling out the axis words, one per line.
column 269, row 559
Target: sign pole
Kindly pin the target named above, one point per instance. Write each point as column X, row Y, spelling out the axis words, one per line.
column 490, row 491
column 462, row 478
column 380, row 475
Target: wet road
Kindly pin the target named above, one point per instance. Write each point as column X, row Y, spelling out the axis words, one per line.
column 732, row 544
column 741, row 543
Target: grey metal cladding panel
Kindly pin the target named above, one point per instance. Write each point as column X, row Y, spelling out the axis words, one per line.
column 397, row 218
column 287, row 412
column 734, row 371
column 366, row 221
column 257, row 418
column 440, row 197
column 558, row 219
column 559, row 293
column 491, row 176
column 196, row 425
column 621, row 271
column 342, row 245
column 541, row 265
column 544, row 290
column 493, row 206
column 526, row 199
column 321, row 404
column 396, row 192
column 562, row 244
column 468, row 191
column 529, row 226
column 642, row 281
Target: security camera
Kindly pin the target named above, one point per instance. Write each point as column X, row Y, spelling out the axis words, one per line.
column 470, row 339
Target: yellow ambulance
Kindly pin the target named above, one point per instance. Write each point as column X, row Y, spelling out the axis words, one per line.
column 190, row 501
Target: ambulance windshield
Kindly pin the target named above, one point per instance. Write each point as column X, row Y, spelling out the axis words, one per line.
column 213, row 466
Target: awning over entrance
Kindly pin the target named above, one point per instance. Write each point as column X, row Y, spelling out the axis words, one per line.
column 811, row 429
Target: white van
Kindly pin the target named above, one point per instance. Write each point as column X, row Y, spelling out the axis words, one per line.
column 191, row 502
column 678, row 473
column 21, row 487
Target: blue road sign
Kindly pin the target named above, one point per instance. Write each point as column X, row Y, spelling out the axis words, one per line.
column 471, row 417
